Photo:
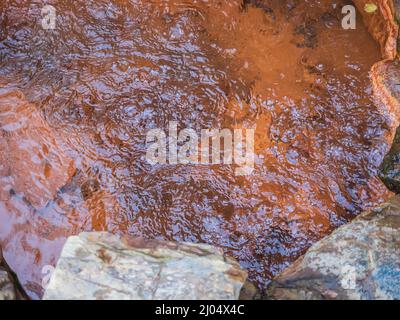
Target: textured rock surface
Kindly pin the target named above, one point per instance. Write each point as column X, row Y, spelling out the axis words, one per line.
column 396, row 5
column 381, row 24
column 360, row 260
column 104, row 266
column 385, row 77
column 7, row 289
column 390, row 168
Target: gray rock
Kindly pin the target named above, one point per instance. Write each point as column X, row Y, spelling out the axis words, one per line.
column 104, row 266
column 386, row 79
column 390, row 168
column 7, row 288
column 359, row 261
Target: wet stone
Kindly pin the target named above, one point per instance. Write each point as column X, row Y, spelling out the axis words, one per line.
column 358, row 261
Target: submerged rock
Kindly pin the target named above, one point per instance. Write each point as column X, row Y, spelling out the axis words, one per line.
column 32, row 163
column 360, row 260
column 104, row 266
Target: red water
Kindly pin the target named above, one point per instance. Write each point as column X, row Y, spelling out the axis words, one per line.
column 76, row 104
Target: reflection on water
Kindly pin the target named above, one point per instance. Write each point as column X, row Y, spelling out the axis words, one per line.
column 76, row 104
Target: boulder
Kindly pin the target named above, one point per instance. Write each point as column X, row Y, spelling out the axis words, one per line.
column 386, row 79
column 359, row 261
column 97, row 266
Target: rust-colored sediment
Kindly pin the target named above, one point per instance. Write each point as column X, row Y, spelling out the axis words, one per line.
column 114, row 70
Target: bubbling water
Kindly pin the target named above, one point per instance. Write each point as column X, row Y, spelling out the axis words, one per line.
column 113, row 70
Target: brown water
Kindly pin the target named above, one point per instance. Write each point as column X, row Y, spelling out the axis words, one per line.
column 76, row 104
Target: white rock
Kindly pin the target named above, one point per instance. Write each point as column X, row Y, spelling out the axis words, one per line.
column 104, row 266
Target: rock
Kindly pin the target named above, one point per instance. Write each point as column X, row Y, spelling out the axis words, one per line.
column 104, row 266
column 7, row 288
column 358, row 261
column 385, row 76
column 396, row 4
column 390, row 168
column 386, row 79
column 250, row 292
column 381, row 24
